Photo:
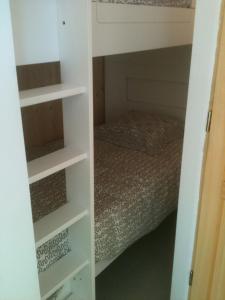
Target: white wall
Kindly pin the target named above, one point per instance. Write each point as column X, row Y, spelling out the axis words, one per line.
column 154, row 80
column 44, row 47
column 18, row 271
column 204, row 50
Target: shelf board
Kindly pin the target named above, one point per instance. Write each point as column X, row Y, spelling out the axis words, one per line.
column 56, row 222
column 59, row 273
column 49, row 93
column 52, row 163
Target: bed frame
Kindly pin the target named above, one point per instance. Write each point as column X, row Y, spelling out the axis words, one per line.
column 124, row 28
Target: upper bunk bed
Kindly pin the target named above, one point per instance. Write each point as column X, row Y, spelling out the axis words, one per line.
column 123, row 26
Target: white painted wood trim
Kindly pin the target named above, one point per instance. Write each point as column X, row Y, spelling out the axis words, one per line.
column 59, row 273
column 56, row 222
column 52, row 163
column 126, row 13
column 128, row 28
column 76, row 66
column 201, row 80
column 49, row 93
column 18, row 268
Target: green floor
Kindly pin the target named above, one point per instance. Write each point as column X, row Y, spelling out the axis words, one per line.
column 143, row 272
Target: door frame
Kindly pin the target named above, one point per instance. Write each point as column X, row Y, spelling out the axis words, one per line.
column 207, row 20
column 208, row 274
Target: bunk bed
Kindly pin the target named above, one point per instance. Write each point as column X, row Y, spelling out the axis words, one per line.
column 64, row 230
column 123, row 26
column 137, row 168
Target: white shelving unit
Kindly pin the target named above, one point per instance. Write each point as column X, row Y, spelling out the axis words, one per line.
column 59, row 273
column 59, row 220
column 68, row 22
column 69, row 266
column 53, row 162
column 49, row 93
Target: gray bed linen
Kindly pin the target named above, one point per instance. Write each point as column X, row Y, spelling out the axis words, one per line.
column 134, row 189
column 172, row 3
column 134, row 193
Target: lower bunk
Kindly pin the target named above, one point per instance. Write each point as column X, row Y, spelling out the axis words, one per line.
column 137, row 169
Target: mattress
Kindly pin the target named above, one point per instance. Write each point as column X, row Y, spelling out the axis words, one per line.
column 137, row 169
column 170, row 3
column 134, row 193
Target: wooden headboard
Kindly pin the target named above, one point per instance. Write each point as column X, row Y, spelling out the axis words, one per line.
column 155, row 81
column 165, row 96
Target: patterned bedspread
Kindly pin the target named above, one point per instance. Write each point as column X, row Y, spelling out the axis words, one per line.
column 137, row 167
column 134, row 192
column 172, row 3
